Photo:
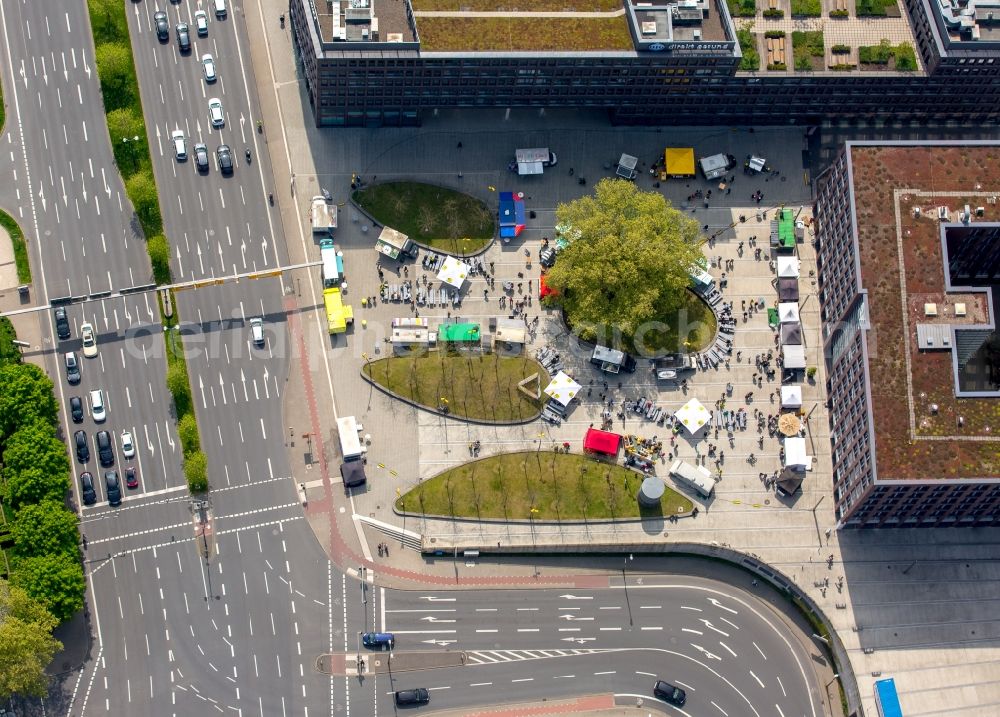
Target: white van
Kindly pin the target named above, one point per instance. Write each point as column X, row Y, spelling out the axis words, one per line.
column 697, row 477
column 97, row 406
column 220, row 8
column 350, row 442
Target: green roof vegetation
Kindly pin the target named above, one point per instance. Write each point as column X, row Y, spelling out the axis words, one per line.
column 877, row 8
column 902, row 55
column 504, row 34
column 806, row 8
column 467, row 384
column 807, row 45
column 742, row 8
column 438, row 217
column 514, row 5
column 748, row 47
column 538, row 485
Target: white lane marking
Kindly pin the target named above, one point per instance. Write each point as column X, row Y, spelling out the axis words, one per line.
column 756, row 678
column 480, row 684
column 760, row 650
column 524, row 679
column 728, row 648
column 645, row 674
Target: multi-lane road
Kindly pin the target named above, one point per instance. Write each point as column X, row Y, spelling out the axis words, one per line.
column 240, row 631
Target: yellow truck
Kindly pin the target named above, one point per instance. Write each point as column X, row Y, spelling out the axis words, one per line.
column 338, row 314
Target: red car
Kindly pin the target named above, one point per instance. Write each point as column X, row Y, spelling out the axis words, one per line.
column 131, row 477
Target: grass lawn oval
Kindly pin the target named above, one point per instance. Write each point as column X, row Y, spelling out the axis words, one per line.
column 472, row 385
column 443, row 219
column 542, row 485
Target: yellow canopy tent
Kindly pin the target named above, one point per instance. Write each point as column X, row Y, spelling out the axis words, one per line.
column 679, row 161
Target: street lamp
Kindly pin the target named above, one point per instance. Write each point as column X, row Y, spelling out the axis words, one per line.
column 826, row 690
column 628, row 559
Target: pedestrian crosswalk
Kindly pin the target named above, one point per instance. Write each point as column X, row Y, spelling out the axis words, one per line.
column 485, row 657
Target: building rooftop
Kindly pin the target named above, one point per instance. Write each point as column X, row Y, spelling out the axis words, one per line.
column 563, row 25
column 970, row 20
column 343, row 21
column 925, row 264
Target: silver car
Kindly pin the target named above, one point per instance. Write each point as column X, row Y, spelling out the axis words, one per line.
column 215, row 112
column 208, row 63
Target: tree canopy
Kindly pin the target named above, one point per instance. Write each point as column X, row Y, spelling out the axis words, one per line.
column 628, row 259
column 45, row 527
column 35, row 465
column 26, row 643
column 25, row 395
column 56, row 581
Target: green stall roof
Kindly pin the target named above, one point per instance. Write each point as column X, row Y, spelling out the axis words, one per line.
column 458, row 332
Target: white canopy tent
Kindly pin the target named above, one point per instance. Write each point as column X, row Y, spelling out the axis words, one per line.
column 693, row 415
column 795, row 453
column 788, row 267
column 788, row 312
column 453, row 272
column 793, row 356
column 791, row 396
column 562, row 389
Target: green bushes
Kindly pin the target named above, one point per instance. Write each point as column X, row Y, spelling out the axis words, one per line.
column 840, row 49
column 17, row 239
column 903, row 54
column 742, row 8
column 748, row 48
column 774, row 34
column 126, row 127
column 775, row 13
column 159, row 256
column 9, row 353
column 876, row 8
column 839, row 13
column 805, row 46
column 179, row 385
column 806, row 8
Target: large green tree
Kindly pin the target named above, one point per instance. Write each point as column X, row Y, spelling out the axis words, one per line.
column 25, row 395
column 56, row 581
column 44, row 528
column 628, row 259
column 26, row 643
column 35, row 465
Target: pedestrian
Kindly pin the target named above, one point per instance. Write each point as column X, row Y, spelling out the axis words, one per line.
column 459, row 146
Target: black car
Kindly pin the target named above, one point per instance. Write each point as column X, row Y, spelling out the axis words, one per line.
column 668, row 693
column 62, row 323
column 183, row 37
column 104, row 452
column 76, row 409
column 418, row 696
column 114, row 488
column 201, row 157
column 162, row 27
column 82, row 447
column 72, row 368
column 87, row 488
column 225, row 157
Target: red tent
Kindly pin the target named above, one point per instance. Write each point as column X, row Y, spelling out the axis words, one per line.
column 601, row 442
column 544, row 290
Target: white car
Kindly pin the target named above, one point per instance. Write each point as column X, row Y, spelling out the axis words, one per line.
column 180, row 144
column 201, row 22
column 208, row 63
column 89, row 340
column 128, row 447
column 257, row 331
column 215, row 112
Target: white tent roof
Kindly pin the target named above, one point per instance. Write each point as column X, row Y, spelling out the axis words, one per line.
column 693, row 415
column 793, row 356
column 795, row 452
column 453, row 272
column 788, row 267
column 788, row 312
column 562, row 388
column 791, row 396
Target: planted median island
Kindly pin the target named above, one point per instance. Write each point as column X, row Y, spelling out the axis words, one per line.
column 469, row 385
column 538, row 485
column 438, row 217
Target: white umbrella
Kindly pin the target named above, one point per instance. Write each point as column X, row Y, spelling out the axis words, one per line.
column 693, row 415
column 788, row 312
column 562, row 388
column 453, row 272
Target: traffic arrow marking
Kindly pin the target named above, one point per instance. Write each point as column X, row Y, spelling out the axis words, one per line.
column 579, row 640
column 576, row 597
column 442, row 643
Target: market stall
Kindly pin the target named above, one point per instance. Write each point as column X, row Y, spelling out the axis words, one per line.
column 603, row 442
column 562, row 389
column 453, row 272
column 791, row 396
column 795, row 453
column 693, row 415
